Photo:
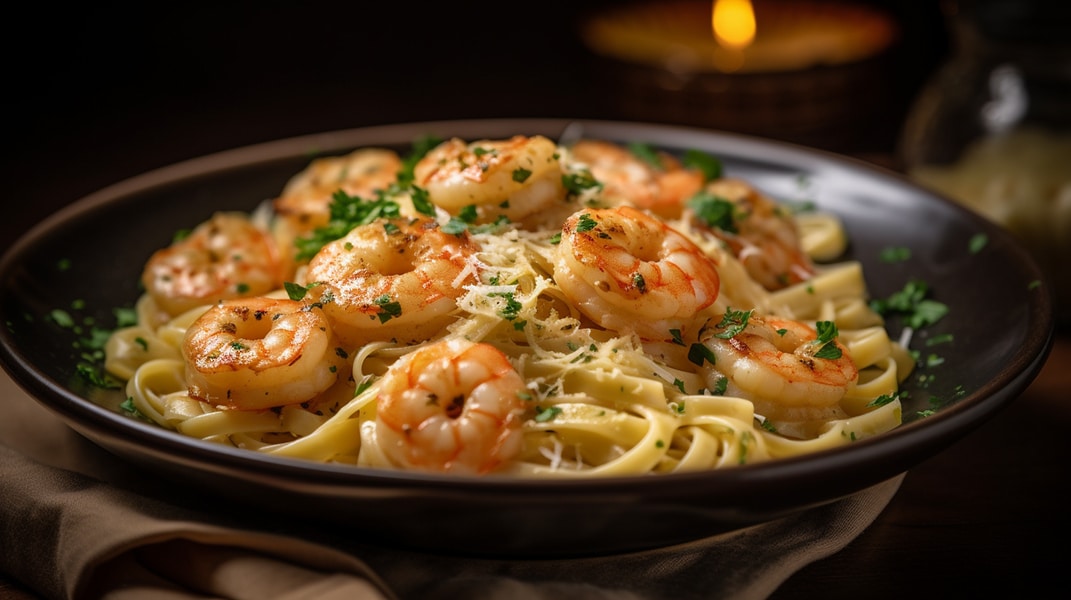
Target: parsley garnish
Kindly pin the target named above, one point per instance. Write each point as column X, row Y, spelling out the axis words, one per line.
column 585, row 223
column 676, row 335
column 512, row 308
column 125, row 317
column 884, row 399
column 827, row 333
column 521, row 175
column 697, row 353
column 709, row 165
column 720, row 386
column 297, row 292
column 714, row 211
column 346, row 213
column 911, row 302
column 734, row 321
column 547, row 414
column 421, row 146
column 61, row 317
column 97, row 378
column 455, row 226
column 468, row 213
column 421, row 203
column 388, row 309
column 578, row 183
column 894, row 254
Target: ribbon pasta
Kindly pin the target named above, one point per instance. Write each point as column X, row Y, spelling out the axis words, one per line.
column 598, row 402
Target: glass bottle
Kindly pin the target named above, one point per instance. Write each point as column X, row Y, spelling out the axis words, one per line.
column 992, row 128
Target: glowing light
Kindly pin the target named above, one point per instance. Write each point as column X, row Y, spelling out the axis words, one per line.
column 734, row 23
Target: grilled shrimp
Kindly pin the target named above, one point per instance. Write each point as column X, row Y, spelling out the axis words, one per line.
column 517, row 177
column 759, row 232
column 227, row 256
column 628, row 179
column 258, row 353
column 305, row 202
column 629, row 271
column 391, row 279
column 781, row 365
column 453, row 406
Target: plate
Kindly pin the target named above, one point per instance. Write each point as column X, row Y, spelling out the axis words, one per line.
column 86, row 260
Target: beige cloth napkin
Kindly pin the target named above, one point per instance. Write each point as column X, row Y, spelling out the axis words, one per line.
column 70, row 528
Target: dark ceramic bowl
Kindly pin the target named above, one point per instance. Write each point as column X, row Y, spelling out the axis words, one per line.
column 86, row 260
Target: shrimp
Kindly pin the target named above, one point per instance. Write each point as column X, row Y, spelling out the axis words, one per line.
column 515, row 178
column 305, row 202
column 628, row 179
column 453, row 406
column 758, row 231
column 629, row 271
column 391, row 279
column 227, row 256
column 259, row 353
column 781, row 365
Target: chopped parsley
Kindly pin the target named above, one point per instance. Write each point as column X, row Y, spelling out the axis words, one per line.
column 455, row 226
column 388, row 309
column 714, row 211
column 125, row 317
column 96, row 377
column 733, row 322
column 894, row 254
column 61, row 317
column 676, row 335
column 421, row 201
column 297, row 292
column 420, row 147
column 585, row 223
column 468, row 214
column 699, row 353
column 884, row 399
column 580, row 182
column 512, row 308
column 912, row 304
column 709, row 165
column 940, row 339
column 547, row 414
column 521, row 175
column 827, row 334
column 346, row 212
column 720, row 387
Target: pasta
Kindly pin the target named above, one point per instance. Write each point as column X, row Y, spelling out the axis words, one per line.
column 514, row 307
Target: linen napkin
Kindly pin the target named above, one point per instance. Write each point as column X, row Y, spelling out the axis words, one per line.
column 70, row 527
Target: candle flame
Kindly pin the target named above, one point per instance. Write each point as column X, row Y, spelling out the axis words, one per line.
column 734, row 23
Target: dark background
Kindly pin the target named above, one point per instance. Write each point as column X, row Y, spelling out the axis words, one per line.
column 96, row 94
